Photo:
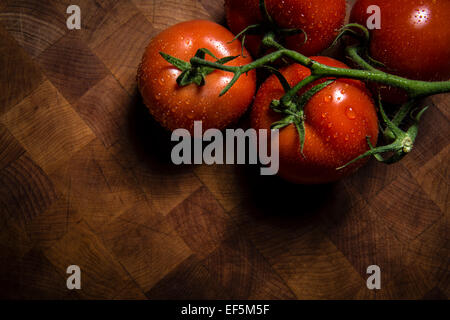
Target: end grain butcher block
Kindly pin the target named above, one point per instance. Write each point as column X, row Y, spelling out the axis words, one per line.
column 86, row 179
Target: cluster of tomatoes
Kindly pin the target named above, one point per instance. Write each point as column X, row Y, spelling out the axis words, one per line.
column 413, row 41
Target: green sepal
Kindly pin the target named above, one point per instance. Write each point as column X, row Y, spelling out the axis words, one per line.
column 304, row 99
column 300, row 126
column 192, row 73
column 190, row 76
column 180, row 64
column 284, row 83
column 230, row 84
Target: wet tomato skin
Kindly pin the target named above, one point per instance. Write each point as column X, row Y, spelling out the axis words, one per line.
column 337, row 121
column 414, row 39
column 318, row 20
column 178, row 107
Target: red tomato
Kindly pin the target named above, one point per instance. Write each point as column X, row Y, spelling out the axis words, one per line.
column 414, row 39
column 318, row 19
column 178, row 107
column 337, row 121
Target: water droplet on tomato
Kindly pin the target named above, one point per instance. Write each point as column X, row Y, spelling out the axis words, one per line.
column 351, row 114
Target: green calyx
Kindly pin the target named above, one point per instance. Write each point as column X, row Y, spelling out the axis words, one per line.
column 192, row 73
column 403, row 141
column 294, row 107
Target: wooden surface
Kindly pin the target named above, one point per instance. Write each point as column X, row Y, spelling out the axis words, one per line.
column 85, row 179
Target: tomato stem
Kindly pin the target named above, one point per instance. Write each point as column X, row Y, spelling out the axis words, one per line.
column 292, row 105
column 414, row 88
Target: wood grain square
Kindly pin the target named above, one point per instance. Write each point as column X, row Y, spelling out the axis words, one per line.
column 25, row 191
column 77, row 72
column 315, row 269
column 164, row 13
column 201, row 222
column 35, row 278
column 434, row 178
column 411, row 283
column 35, row 25
column 144, row 151
column 102, row 276
column 97, row 187
column 244, row 272
column 228, row 183
column 405, row 208
column 164, row 193
column 275, row 218
column 149, row 253
column 271, row 236
column 373, row 177
column 104, row 108
column 14, row 244
column 10, row 148
column 20, row 75
column 53, row 223
column 93, row 14
column 47, row 127
column 365, row 241
column 215, row 10
column 131, row 292
column 428, row 250
column 105, row 19
column 435, row 294
column 132, row 37
column 190, row 280
column 442, row 102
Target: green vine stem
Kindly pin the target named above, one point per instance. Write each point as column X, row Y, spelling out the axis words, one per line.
column 414, row 88
column 292, row 105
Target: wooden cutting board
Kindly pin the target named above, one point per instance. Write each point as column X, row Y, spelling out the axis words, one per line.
column 86, row 179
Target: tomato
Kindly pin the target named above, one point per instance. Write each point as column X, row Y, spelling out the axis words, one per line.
column 320, row 21
column 414, row 39
column 178, row 107
column 337, row 121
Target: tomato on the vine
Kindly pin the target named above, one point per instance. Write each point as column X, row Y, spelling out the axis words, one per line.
column 414, row 39
column 337, row 121
column 319, row 20
column 175, row 106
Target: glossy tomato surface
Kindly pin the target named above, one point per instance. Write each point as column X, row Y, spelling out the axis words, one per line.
column 414, row 39
column 337, row 121
column 319, row 19
column 178, row 107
